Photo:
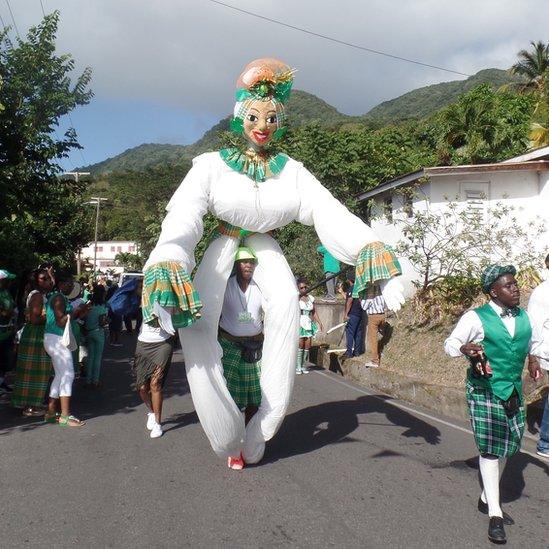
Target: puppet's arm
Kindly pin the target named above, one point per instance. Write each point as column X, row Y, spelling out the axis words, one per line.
column 350, row 240
column 167, row 286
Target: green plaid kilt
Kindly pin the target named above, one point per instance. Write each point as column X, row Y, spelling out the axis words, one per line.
column 242, row 377
column 33, row 370
column 495, row 433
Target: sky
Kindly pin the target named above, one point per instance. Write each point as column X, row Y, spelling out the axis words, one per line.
column 164, row 71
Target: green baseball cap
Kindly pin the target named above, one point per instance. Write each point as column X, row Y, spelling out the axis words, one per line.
column 245, row 253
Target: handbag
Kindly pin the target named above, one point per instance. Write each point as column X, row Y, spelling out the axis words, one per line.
column 251, row 351
column 68, row 339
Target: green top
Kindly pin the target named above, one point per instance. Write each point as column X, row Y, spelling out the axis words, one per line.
column 92, row 318
column 52, row 326
column 6, row 322
column 331, row 264
column 505, row 354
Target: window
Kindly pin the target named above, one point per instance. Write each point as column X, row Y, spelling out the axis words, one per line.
column 408, row 206
column 131, row 248
column 113, row 248
column 388, row 208
column 119, row 248
column 99, row 248
column 476, row 196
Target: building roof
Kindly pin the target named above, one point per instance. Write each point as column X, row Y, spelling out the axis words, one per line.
column 533, row 161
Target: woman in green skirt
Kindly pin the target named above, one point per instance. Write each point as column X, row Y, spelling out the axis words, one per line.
column 34, row 367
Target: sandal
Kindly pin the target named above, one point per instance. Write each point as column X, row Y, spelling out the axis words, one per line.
column 65, row 421
column 51, row 418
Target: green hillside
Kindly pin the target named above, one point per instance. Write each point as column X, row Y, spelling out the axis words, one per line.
column 138, row 158
column 425, row 101
column 304, row 108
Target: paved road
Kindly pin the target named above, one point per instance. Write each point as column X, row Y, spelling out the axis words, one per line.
column 347, row 469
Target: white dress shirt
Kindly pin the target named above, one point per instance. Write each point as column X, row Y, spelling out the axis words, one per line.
column 469, row 329
column 538, row 310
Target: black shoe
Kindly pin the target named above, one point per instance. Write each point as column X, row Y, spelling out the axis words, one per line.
column 483, row 508
column 496, row 532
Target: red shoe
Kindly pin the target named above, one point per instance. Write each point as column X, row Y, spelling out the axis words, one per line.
column 236, row 463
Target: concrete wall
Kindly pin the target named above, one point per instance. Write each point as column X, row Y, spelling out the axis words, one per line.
column 331, row 314
column 526, row 191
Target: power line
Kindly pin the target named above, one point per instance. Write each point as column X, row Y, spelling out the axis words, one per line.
column 79, row 150
column 13, row 19
column 336, row 40
column 43, row 10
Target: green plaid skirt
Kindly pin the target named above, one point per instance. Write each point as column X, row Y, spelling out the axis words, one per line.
column 495, row 433
column 33, row 370
column 242, row 377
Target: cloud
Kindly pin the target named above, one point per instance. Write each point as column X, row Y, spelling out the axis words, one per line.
column 188, row 53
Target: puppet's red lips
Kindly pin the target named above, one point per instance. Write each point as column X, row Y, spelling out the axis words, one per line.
column 261, row 137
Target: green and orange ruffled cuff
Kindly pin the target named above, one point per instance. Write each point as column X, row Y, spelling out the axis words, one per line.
column 169, row 285
column 376, row 262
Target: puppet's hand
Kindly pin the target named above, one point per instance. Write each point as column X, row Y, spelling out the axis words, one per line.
column 393, row 293
column 168, row 290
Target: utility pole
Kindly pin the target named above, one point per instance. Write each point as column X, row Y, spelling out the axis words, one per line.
column 76, row 176
column 96, row 201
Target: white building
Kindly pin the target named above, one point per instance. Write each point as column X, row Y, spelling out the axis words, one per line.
column 521, row 182
column 107, row 250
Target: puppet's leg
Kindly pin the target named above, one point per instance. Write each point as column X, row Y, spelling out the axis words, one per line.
column 219, row 416
column 277, row 284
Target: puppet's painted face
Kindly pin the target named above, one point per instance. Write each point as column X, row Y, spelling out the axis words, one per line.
column 260, row 123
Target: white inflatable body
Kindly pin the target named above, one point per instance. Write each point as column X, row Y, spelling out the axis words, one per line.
column 294, row 195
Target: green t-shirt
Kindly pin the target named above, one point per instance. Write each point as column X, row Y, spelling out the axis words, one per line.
column 6, row 322
column 331, row 264
column 92, row 318
column 51, row 325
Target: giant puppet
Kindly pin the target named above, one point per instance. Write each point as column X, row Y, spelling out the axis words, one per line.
column 251, row 191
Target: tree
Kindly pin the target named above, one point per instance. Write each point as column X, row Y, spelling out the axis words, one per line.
column 456, row 241
column 532, row 64
column 40, row 214
column 130, row 262
column 539, row 129
column 484, row 125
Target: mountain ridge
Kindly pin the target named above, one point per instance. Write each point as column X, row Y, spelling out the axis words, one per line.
column 305, row 108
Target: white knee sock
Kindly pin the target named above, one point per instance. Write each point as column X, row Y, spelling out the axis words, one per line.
column 489, row 471
column 502, row 463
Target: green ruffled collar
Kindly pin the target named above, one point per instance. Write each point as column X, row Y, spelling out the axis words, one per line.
column 257, row 166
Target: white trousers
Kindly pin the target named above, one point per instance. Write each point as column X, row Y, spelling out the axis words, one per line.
column 61, row 358
column 219, row 416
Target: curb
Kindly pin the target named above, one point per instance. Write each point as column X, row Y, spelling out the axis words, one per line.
column 449, row 401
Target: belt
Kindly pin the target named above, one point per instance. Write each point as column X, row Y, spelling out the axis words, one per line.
column 239, row 339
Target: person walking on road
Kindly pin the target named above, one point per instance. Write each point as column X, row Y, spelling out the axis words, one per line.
column 58, row 311
column 153, row 356
column 241, row 338
column 538, row 310
column 354, row 317
column 496, row 338
column 34, row 366
column 375, row 308
column 308, row 325
column 95, row 323
column 331, row 268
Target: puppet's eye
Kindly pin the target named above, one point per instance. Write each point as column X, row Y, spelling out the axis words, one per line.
column 252, row 118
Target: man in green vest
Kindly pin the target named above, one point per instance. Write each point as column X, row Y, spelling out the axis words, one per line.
column 496, row 338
